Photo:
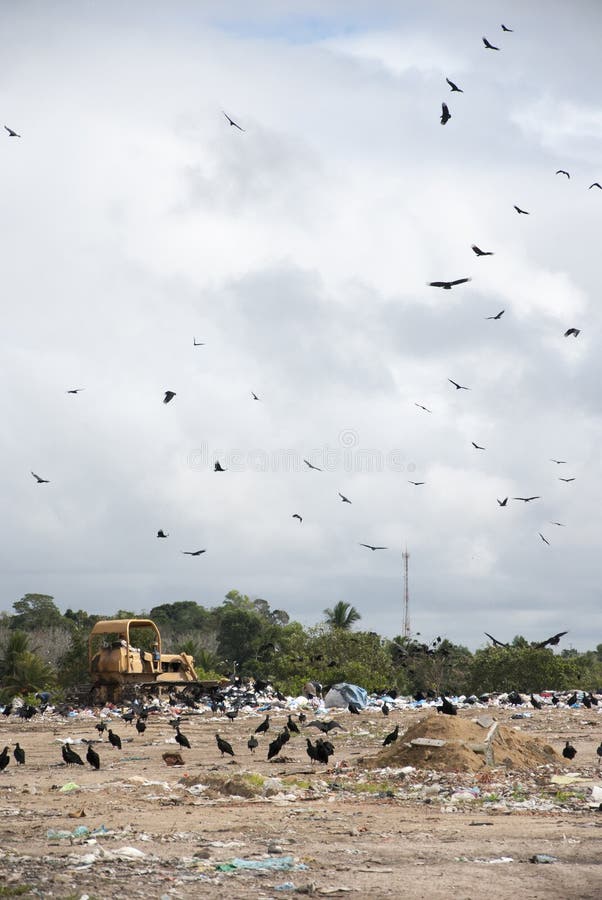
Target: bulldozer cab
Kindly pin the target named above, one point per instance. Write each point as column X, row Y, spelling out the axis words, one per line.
column 125, row 646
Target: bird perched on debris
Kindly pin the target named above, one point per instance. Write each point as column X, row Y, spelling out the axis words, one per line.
column 114, row 740
column 390, row 738
column 536, row 704
column 70, row 757
column 569, row 751
column 4, row 759
column 354, row 709
column 446, row 707
column 19, row 755
column 93, row 757
column 182, row 739
column 252, row 743
column 263, row 726
column 223, row 746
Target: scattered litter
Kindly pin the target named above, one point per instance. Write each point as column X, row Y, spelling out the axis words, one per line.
column 285, row 886
column 78, row 814
column 543, row 858
column 173, row 759
column 280, row 863
column 70, row 786
column 60, row 834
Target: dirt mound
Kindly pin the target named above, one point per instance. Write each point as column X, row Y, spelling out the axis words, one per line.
column 465, row 747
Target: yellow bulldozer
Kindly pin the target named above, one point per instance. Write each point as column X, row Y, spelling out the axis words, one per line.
column 120, row 671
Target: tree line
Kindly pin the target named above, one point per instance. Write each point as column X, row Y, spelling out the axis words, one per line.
column 42, row 648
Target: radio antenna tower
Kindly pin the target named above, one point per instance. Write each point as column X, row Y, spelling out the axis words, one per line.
column 406, row 594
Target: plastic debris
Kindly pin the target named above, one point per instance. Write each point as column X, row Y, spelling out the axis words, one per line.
column 285, row 886
column 543, row 858
column 278, row 862
column 62, row 834
column 70, row 786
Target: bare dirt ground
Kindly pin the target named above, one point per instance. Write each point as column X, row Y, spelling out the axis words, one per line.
column 343, row 829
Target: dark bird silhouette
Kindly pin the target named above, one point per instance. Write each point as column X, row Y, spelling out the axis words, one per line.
column 193, row 552
column 312, row 751
column 391, row 737
column 40, row 480
column 302, row 718
column 569, row 751
column 223, row 746
column 19, row 755
column 489, row 46
column 559, row 462
column 446, row 707
column 232, row 122
column 502, row 502
column 599, row 753
column 297, row 516
column 169, row 395
column 551, row 641
column 232, row 714
column 263, row 726
column 12, row 133
column 196, row 343
column 325, row 727
column 496, row 317
column 7, row 709
column 252, row 743
column 217, row 467
column 325, row 749
column 562, row 172
column 536, row 704
column 566, row 479
column 385, row 709
column 70, row 757
column 311, row 466
column 458, row 387
column 595, row 184
column 92, row 757
column 527, row 499
column 344, row 499
column 445, row 113
column 448, row 285
column 560, row 524
column 572, row 331
column 274, row 747
column 75, row 391
column 505, row 28
column 522, row 212
column 101, row 727
column 4, row 759
column 416, row 483
column 140, row 726
column 254, row 396
column 476, row 446
column 354, row 709
column 420, row 406
column 454, row 87
column 494, row 641
column 480, row 252
column 162, row 534
column 370, row 547
column 545, row 540
column 181, row 739
column 128, row 717
column 292, row 726
column 114, row 740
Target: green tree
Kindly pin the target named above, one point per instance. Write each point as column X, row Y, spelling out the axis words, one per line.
column 21, row 670
column 342, row 616
column 526, row 669
column 36, row 611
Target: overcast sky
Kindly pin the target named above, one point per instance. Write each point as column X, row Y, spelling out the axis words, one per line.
column 134, row 218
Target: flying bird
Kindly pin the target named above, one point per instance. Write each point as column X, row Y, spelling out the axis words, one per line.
column 595, row 184
column 193, row 552
column 552, row 641
column 489, row 46
column 454, row 87
column 505, row 28
column 254, row 396
column 40, row 480
column 297, row 516
column 496, row 317
column 11, row 133
column 416, row 483
column 420, row 406
column 445, row 114
column 560, row 524
column 566, row 479
column 572, row 331
column 458, row 387
column 545, row 540
column 344, row 499
column 236, row 125
column 448, row 285
column 502, row 502
column 217, row 467
column 522, row 212
column 494, row 641
column 562, row 172
column 370, row 547
column 162, row 534
column 75, row 390
column 559, row 462
column 527, row 499
column 311, row 466
column 479, row 252
column 476, row 446
column 169, row 395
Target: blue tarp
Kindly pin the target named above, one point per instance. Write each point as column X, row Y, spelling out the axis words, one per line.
column 344, row 694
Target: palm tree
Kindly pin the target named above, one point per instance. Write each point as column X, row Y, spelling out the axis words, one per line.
column 342, row 616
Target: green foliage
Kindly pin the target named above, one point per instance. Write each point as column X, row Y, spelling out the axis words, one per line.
column 35, row 611
column 73, row 665
column 21, row 670
column 521, row 668
column 342, row 616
